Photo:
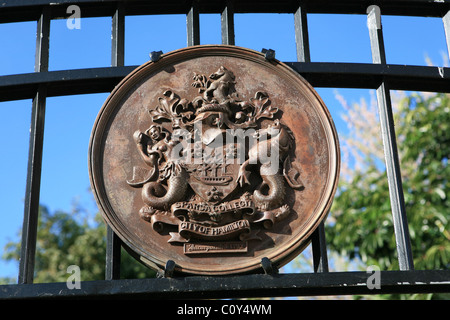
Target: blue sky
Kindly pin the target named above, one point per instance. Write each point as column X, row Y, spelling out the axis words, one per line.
column 69, row 119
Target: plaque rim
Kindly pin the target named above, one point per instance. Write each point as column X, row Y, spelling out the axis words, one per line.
column 278, row 256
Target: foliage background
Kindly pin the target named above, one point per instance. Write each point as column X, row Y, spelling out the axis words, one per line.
column 74, row 238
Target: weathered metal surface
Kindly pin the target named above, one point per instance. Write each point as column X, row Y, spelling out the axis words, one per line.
column 215, row 158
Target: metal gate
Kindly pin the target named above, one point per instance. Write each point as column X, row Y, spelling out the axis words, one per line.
column 379, row 75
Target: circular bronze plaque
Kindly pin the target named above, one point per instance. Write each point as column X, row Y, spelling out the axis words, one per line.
column 215, row 158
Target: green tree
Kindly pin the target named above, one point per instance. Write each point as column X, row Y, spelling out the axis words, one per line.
column 66, row 239
column 361, row 226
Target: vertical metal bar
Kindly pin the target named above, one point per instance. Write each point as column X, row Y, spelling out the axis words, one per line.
column 113, row 242
column 376, row 35
column 193, row 25
column 390, row 145
column 319, row 245
column 319, row 249
column 301, row 34
column 227, row 22
column 113, row 255
column 32, row 192
column 42, row 41
column 118, row 36
column 446, row 20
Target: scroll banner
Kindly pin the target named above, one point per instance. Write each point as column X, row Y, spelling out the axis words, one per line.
column 186, row 230
column 247, row 206
column 237, row 229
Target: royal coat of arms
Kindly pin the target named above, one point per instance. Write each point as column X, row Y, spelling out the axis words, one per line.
column 197, row 175
column 214, row 157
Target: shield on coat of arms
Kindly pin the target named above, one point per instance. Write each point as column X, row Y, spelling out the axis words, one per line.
column 212, row 159
column 213, row 179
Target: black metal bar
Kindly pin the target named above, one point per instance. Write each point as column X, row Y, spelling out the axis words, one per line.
column 60, row 83
column 25, row 10
column 193, row 25
column 42, row 41
column 256, row 285
column 319, row 74
column 376, row 35
column 390, row 146
column 227, row 23
column 319, row 249
column 446, row 20
column 31, row 209
column 319, row 246
column 113, row 255
column 113, row 242
column 118, row 37
column 32, row 192
column 301, row 34
column 370, row 76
